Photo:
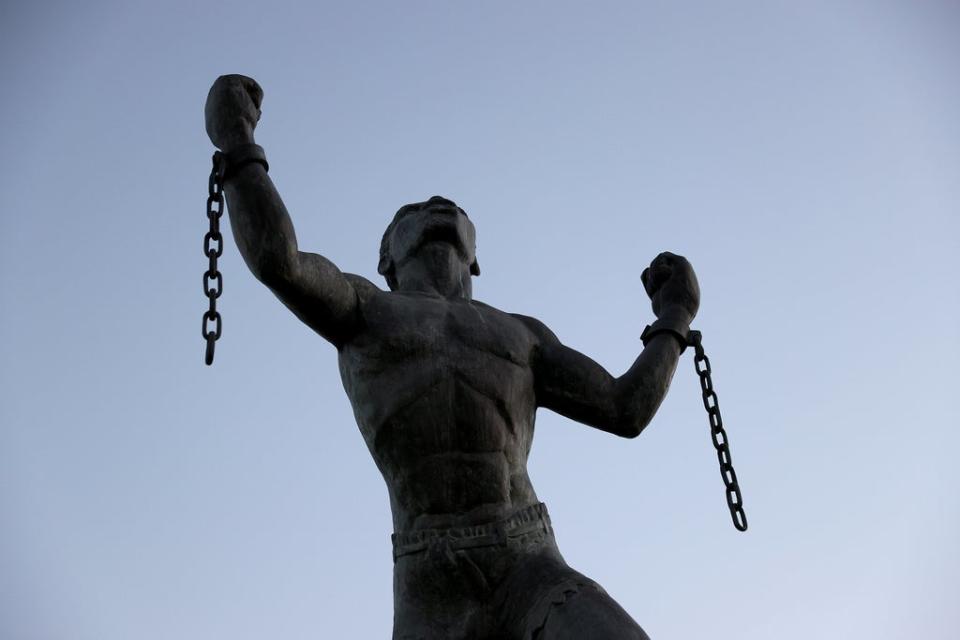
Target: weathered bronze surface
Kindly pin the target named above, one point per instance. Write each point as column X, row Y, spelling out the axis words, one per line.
column 445, row 391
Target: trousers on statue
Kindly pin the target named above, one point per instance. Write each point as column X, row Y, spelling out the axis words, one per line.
column 504, row 580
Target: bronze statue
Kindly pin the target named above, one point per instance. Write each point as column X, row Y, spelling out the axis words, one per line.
column 445, row 390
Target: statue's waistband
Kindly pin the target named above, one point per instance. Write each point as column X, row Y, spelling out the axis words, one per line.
column 527, row 520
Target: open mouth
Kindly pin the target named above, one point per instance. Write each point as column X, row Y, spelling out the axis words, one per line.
column 441, row 228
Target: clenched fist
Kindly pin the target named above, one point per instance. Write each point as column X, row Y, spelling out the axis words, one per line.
column 672, row 286
column 232, row 111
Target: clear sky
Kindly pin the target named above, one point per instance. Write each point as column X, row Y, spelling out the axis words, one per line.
column 805, row 156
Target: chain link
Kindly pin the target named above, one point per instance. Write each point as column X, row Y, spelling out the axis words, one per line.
column 717, row 433
column 213, row 249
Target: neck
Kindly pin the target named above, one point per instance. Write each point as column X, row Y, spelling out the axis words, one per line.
column 438, row 269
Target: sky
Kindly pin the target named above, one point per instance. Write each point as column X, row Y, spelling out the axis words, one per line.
column 805, row 156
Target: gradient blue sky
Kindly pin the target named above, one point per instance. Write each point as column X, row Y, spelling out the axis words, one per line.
column 804, row 155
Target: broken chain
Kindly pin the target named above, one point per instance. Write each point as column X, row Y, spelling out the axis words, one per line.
column 717, row 433
column 213, row 249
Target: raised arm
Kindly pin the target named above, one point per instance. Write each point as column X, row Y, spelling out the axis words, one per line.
column 575, row 386
column 309, row 284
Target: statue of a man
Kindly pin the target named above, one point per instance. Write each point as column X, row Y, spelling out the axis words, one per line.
column 445, row 390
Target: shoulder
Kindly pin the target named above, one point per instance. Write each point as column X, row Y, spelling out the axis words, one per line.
column 364, row 288
column 541, row 332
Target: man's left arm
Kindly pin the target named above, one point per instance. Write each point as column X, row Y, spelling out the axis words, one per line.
column 575, row 386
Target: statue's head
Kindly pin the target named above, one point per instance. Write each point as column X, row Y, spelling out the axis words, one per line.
column 414, row 226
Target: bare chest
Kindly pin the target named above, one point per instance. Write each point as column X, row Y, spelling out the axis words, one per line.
column 414, row 346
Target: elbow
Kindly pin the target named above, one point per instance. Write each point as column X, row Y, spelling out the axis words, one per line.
column 272, row 264
column 631, row 433
column 275, row 274
column 634, row 409
column 273, row 278
column 631, row 429
column 631, row 425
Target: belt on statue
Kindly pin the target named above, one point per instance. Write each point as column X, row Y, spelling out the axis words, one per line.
column 531, row 519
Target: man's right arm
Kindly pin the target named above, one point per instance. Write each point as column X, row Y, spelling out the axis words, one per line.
column 309, row 284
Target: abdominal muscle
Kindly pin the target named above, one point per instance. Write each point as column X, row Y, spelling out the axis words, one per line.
column 450, row 460
column 458, row 490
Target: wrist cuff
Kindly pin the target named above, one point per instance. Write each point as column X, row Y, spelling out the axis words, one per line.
column 679, row 330
column 231, row 161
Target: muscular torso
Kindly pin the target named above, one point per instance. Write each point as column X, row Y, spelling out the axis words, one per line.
column 443, row 393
